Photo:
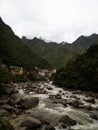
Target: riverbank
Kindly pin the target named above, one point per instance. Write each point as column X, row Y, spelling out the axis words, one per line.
column 42, row 106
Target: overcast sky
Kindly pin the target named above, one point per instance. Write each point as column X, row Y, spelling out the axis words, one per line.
column 56, row 20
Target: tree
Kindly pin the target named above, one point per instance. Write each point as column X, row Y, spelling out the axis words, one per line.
column 4, row 74
column 4, row 77
column 82, row 73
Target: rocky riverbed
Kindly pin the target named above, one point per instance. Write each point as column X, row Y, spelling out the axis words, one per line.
column 42, row 106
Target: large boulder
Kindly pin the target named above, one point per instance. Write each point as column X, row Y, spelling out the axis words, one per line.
column 29, row 102
column 31, row 123
column 90, row 100
column 94, row 116
column 67, row 120
column 75, row 103
column 60, row 101
column 4, row 112
column 8, row 108
column 44, row 122
column 10, row 89
column 14, row 99
column 86, row 107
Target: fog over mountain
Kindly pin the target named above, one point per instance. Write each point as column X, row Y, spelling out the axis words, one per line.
column 56, row 20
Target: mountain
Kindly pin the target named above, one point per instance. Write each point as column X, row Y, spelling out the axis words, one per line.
column 82, row 73
column 13, row 52
column 56, row 54
column 59, row 54
column 84, row 42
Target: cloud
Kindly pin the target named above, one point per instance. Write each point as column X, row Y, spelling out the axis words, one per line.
column 56, row 20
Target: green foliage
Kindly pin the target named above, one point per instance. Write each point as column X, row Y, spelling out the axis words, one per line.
column 14, row 53
column 81, row 73
column 84, row 42
column 4, row 74
column 32, row 76
column 5, row 77
column 24, row 78
column 59, row 54
column 4, row 124
column 19, row 78
column 56, row 54
column 2, row 90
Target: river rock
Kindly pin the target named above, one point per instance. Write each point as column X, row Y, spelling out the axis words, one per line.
column 49, row 88
column 96, row 108
column 3, row 102
column 29, row 102
column 90, row 100
column 13, row 116
column 4, row 113
column 77, row 92
column 58, row 96
column 10, row 89
column 49, row 128
column 17, row 111
column 86, row 107
column 22, row 128
column 94, row 116
column 8, row 108
column 52, row 97
column 74, row 103
column 61, row 101
column 67, row 121
column 14, row 99
column 44, row 122
column 70, row 129
column 31, row 123
column 63, row 125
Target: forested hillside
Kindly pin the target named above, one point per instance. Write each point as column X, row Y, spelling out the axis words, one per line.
column 82, row 73
column 59, row 54
column 14, row 52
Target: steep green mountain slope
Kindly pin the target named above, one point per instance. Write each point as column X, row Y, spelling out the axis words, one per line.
column 82, row 73
column 59, row 54
column 14, row 52
column 84, row 42
column 56, row 54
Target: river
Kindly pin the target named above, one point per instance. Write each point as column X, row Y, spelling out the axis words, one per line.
column 52, row 112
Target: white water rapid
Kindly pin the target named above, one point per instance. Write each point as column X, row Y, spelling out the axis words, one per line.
column 54, row 111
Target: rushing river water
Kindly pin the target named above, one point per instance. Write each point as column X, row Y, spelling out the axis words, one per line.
column 53, row 112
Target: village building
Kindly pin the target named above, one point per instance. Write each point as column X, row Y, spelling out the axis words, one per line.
column 52, row 71
column 44, row 72
column 16, row 70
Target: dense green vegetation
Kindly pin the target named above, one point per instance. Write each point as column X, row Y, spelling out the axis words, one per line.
column 56, row 54
column 5, row 125
column 81, row 73
column 59, row 54
column 84, row 42
column 4, row 74
column 5, row 77
column 14, row 52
